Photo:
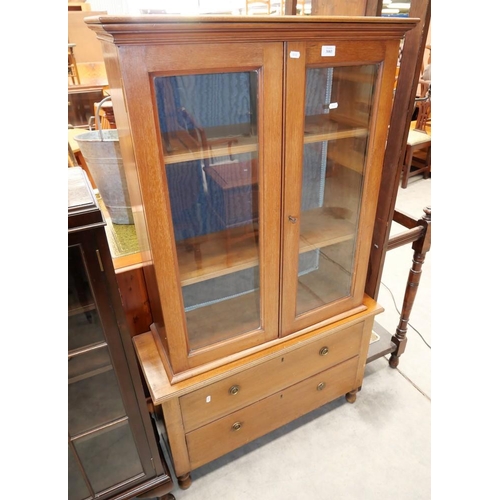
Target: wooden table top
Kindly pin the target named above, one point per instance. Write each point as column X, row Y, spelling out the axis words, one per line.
column 72, row 133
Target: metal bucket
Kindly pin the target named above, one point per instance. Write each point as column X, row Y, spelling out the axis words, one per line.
column 101, row 151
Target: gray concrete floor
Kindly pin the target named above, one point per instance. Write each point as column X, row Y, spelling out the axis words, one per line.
column 377, row 448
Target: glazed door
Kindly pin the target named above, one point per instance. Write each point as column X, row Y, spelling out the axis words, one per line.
column 332, row 164
column 214, row 177
column 108, row 450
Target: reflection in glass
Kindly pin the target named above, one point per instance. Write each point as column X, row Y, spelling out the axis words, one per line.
column 84, row 325
column 77, row 488
column 109, row 457
column 94, row 399
column 208, row 124
column 102, row 450
column 338, row 111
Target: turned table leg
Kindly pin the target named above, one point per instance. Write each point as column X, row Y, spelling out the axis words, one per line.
column 400, row 338
column 421, row 247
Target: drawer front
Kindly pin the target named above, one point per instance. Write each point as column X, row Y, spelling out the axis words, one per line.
column 232, row 431
column 236, row 391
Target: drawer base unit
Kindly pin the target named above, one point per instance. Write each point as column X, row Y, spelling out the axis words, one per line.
column 219, row 411
column 239, row 428
column 253, row 151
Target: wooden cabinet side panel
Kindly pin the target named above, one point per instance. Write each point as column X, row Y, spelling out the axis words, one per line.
column 176, row 436
column 135, row 300
column 378, row 139
column 363, row 352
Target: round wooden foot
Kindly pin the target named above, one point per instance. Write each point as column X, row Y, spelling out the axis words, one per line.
column 351, row 396
column 184, row 481
column 168, row 496
column 393, row 361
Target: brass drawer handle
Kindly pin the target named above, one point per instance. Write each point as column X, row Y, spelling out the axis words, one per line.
column 234, row 390
column 237, row 426
column 321, row 386
column 323, row 351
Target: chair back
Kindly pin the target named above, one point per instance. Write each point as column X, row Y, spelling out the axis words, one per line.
column 424, row 113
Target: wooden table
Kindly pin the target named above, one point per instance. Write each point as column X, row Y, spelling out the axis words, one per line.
column 72, row 133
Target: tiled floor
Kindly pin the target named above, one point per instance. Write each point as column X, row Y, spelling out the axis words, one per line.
column 377, row 448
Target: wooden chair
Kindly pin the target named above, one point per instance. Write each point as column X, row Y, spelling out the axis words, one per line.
column 258, row 6
column 72, row 66
column 417, row 159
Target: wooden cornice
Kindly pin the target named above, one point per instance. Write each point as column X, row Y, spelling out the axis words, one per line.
column 155, row 29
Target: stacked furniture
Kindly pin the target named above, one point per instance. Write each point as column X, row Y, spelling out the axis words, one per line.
column 113, row 448
column 253, row 148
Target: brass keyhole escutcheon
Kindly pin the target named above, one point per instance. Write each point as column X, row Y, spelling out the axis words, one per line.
column 321, row 386
column 323, row 351
column 236, row 426
column 234, row 390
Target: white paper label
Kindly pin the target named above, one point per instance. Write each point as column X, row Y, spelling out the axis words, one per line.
column 294, row 54
column 333, row 105
column 328, row 50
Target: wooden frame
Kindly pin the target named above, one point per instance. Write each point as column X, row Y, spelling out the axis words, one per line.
column 144, row 58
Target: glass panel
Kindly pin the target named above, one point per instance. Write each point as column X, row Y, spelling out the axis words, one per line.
column 109, row 456
column 94, row 399
column 84, row 326
column 77, row 488
column 208, row 124
column 338, row 111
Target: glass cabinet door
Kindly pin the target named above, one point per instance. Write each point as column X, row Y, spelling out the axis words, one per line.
column 209, row 129
column 102, row 451
column 326, row 178
column 213, row 111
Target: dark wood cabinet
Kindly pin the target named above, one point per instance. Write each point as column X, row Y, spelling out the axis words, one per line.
column 113, row 449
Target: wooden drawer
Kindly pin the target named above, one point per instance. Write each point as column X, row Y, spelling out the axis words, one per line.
column 239, row 390
column 232, row 431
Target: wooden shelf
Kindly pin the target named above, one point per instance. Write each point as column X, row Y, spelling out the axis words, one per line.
column 211, row 252
column 348, row 158
column 321, row 228
column 382, row 346
column 320, row 128
column 204, row 331
column 206, row 257
column 91, row 373
column 74, row 309
column 181, row 146
column 88, row 361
